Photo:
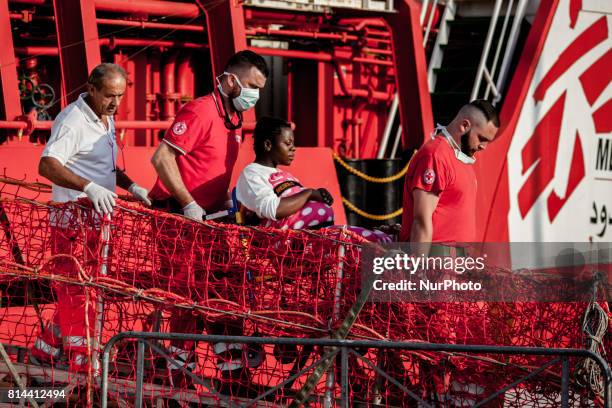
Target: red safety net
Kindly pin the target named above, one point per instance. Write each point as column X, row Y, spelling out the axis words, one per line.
column 64, row 268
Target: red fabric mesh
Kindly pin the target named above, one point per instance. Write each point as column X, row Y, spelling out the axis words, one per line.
column 164, row 273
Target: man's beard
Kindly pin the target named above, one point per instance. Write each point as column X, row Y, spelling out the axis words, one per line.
column 465, row 147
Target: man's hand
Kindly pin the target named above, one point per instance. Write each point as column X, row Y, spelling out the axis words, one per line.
column 194, row 211
column 103, row 200
column 322, row 195
column 140, row 193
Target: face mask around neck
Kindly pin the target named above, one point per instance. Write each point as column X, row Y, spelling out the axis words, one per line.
column 462, row 157
column 247, row 98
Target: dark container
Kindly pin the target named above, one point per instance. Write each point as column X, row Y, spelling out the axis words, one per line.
column 373, row 198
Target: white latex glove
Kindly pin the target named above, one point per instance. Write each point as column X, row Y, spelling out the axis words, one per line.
column 140, row 193
column 194, row 211
column 103, row 199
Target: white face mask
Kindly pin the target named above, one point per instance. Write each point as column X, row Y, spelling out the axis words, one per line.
column 248, row 96
column 462, row 157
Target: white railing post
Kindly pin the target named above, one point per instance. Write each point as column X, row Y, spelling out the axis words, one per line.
column 512, row 39
column 485, row 51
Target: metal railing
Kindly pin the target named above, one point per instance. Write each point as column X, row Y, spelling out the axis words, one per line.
column 496, row 87
column 345, row 348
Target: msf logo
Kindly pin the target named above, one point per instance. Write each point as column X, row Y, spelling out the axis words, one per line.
column 541, row 150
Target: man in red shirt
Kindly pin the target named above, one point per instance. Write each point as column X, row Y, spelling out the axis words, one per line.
column 440, row 207
column 440, row 187
column 194, row 164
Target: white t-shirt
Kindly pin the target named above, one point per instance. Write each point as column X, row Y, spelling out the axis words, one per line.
column 80, row 142
column 255, row 191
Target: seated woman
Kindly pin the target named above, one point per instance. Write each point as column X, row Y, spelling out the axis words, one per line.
column 276, row 196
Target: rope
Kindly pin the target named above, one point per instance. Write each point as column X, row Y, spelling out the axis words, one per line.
column 594, row 325
column 369, row 216
column 371, row 179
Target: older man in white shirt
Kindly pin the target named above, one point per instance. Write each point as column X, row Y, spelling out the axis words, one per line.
column 79, row 159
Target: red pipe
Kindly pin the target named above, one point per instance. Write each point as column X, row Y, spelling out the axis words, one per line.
column 260, row 16
column 154, row 8
column 126, row 23
column 121, row 124
column 131, row 42
column 317, row 56
column 168, row 94
column 37, row 51
column 149, row 24
column 376, row 51
column 372, row 61
column 32, row 2
column 369, row 94
column 303, row 34
column 185, row 78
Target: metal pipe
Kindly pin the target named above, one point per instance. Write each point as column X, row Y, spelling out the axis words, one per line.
column 424, row 6
column 396, row 143
column 377, row 95
column 114, row 42
column 303, row 34
column 31, row 2
column 387, row 132
column 139, row 373
column 373, row 61
column 154, row 8
column 168, row 94
column 377, row 51
column 37, row 51
column 429, row 22
column 316, row 56
column 121, row 124
column 150, row 24
column 490, row 82
column 184, row 77
column 485, row 51
column 512, row 40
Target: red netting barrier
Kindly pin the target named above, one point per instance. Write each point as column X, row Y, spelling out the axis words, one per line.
column 70, row 280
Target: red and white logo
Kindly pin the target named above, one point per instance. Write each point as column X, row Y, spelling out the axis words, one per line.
column 179, row 128
column 429, row 176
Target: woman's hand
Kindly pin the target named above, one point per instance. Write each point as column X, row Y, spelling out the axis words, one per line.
column 322, row 195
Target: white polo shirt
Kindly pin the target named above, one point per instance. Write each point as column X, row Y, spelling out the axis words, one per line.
column 80, row 142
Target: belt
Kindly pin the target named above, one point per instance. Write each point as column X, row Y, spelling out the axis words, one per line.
column 445, row 250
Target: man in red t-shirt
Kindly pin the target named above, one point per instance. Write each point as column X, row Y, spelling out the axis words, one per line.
column 194, row 165
column 194, row 162
column 440, row 207
column 440, row 185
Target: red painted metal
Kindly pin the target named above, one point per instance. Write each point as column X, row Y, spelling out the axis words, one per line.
column 264, row 17
column 10, row 106
column 409, row 58
column 168, row 97
column 344, row 37
column 149, row 24
column 226, row 36
column 492, row 168
column 226, row 32
column 113, row 42
column 369, row 94
column 31, row 2
column 277, row 52
column 185, row 79
column 77, row 37
column 153, row 8
column 325, row 99
column 37, row 51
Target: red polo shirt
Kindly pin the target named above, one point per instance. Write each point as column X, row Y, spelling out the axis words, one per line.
column 435, row 168
column 208, row 152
